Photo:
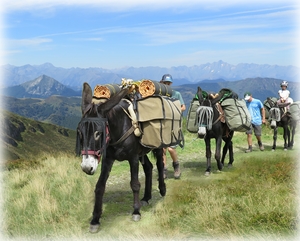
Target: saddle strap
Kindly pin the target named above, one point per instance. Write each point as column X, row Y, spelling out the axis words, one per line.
column 126, row 134
column 133, row 118
column 221, row 114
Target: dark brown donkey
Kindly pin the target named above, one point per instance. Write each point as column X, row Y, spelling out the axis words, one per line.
column 211, row 127
column 105, row 133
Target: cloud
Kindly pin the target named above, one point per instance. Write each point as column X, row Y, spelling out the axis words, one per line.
column 28, row 42
column 15, row 46
column 90, row 39
column 117, row 5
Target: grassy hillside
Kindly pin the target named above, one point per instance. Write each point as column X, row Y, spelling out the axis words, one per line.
column 26, row 139
column 58, row 110
column 255, row 199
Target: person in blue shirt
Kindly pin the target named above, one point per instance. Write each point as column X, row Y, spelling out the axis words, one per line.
column 168, row 80
column 257, row 112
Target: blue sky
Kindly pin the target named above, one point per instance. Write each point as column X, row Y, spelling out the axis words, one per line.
column 114, row 34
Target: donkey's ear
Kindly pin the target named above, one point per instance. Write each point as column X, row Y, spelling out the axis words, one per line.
column 199, row 92
column 87, row 96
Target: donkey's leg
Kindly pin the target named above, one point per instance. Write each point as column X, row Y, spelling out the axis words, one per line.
column 148, row 167
column 106, row 166
column 208, row 156
column 274, row 138
column 288, row 136
column 293, row 130
column 285, row 136
column 218, row 153
column 135, row 187
column 160, row 168
column 224, row 151
column 231, row 158
column 228, row 147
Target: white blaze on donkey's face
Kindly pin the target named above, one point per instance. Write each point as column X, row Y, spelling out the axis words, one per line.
column 89, row 164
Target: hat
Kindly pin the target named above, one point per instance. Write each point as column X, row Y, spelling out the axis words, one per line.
column 167, row 78
column 247, row 95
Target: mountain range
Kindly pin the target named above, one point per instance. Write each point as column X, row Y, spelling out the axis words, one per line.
column 45, row 99
column 209, row 72
column 41, row 87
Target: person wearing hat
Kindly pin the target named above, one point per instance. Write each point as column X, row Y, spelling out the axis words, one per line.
column 257, row 112
column 284, row 95
column 168, row 80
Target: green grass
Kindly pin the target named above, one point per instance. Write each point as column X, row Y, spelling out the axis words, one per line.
column 257, row 198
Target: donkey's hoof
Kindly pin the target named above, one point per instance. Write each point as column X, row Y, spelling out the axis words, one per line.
column 229, row 165
column 273, row 149
column 136, row 217
column 207, row 174
column 285, row 149
column 94, row 228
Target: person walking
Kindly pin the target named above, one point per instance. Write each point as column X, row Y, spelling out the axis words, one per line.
column 257, row 112
column 168, row 80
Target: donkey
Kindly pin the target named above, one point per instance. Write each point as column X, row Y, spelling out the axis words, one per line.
column 280, row 118
column 211, row 122
column 106, row 132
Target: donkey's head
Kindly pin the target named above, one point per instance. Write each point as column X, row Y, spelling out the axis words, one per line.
column 204, row 112
column 92, row 131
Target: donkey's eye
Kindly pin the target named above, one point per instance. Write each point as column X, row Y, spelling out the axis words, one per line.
column 97, row 135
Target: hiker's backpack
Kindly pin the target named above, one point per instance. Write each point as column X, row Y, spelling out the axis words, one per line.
column 237, row 115
column 295, row 110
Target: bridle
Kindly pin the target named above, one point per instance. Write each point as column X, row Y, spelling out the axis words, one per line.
column 207, row 111
column 102, row 127
column 98, row 124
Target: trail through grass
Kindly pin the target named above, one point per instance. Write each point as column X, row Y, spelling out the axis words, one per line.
column 256, row 199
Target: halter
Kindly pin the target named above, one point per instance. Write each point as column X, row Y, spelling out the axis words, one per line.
column 97, row 124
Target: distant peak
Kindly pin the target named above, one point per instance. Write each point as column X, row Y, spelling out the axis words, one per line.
column 47, row 65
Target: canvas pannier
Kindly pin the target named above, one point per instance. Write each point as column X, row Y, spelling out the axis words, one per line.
column 295, row 110
column 237, row 115
column 161, row 120
column 191, row 122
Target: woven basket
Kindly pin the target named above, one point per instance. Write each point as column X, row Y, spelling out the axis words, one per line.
column 149, row 88
column 105, row 91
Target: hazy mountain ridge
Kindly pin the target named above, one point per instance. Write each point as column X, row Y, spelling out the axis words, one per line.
column 66, row 111
column 74, row 77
